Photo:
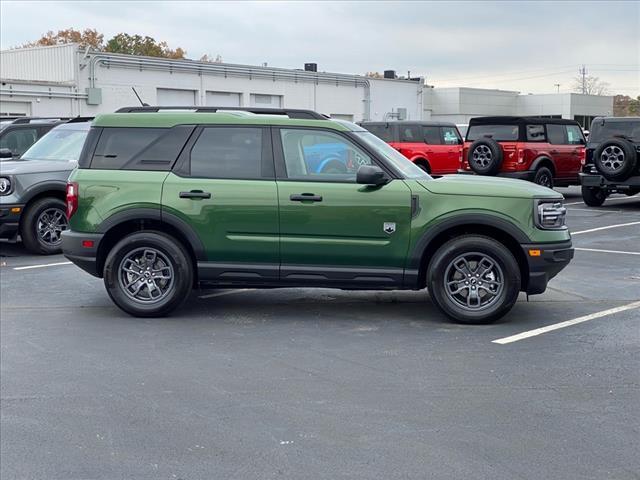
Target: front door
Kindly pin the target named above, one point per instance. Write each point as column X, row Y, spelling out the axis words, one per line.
column 334, row 231
column 224, row 188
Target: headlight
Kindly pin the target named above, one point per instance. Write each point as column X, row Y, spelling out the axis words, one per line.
column 550, row 214
column 5, row 185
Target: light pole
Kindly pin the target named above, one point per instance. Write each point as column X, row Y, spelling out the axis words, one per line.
column 557, row 87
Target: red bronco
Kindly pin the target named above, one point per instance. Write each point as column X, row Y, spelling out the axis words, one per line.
column 435, row 147
column 546, row 151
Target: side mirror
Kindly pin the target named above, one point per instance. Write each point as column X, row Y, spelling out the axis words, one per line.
column 5, row 153
column 371, row 175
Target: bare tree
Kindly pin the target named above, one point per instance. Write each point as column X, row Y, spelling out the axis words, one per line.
column 588, row 84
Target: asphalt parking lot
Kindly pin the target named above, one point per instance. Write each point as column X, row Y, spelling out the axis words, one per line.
column 300, row 383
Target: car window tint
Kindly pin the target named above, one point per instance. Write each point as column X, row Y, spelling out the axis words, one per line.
column 450, row 136
column 500, row 133
column 315, row 155
column 227, row 152
column 556, row 134
column 19, row 140
column 535, row 133
column 431, row 135
column 575, row 136
column 381, row 131
column 411, row 133
column 119, row 145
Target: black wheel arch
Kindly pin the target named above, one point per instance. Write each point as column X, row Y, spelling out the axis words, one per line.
column 138, row 219
column 437, row 235
column 55, row 188
column 544, row 161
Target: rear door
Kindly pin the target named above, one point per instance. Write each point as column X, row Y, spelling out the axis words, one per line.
column 224, row 188
column 452, row 145
column 577, row 142
column 562, row 153
column 334, row 231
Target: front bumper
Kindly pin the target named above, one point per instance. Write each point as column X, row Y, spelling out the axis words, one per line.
column 10, row 220
column 75, row 246
column 552, row 258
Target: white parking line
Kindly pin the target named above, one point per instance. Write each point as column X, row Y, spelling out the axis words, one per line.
column 219, row 294
column 605, row 228
column 597, row 250
column 29, row 267
column 568, row 323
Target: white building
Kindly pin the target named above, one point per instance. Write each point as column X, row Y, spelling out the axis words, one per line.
column 65, row 80
column 458, row 105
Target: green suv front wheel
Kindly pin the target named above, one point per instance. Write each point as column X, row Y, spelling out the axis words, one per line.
column 148, row 274
column 474, row 279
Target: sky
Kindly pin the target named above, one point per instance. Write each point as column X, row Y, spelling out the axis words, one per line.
column 531, row 47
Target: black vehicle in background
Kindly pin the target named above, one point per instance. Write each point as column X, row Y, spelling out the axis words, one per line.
column 18, row 134
column 612, row 162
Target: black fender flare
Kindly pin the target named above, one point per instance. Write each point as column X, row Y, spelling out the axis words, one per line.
column 415, row 257
column 47, row 186
column 540, row 160
column 158, row 215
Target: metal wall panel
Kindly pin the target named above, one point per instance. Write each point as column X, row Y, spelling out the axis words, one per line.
column 43, row 64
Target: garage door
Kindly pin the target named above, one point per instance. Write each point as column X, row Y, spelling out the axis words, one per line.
column 169, row 97
column 15, row 109
column 267, row 101
column 223, row 99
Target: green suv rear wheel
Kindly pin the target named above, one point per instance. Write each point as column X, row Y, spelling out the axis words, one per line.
column 474, row 279
column 148, row 274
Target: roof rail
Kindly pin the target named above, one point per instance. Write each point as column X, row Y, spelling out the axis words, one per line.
column 80, row 119
column 20, row 120
column 290, row 112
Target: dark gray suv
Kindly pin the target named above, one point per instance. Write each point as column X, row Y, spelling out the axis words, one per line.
column 33, row 189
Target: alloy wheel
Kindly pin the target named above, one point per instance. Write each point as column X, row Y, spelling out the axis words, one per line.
column 146, row 275
column 482, row 156
column 473, row 281
column 50, row 225
column 612, row 158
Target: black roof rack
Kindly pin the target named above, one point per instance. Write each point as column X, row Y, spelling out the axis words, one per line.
column 80, row 119
column 290, row 112
column 20, row 120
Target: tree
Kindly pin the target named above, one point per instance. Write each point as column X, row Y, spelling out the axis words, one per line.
column 210, row 59
column 373, row 75
column 589, row 85
column 625, row 106
column 139, row 45
column 87, row 38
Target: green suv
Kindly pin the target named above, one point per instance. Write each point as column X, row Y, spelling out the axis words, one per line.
column 165, row 201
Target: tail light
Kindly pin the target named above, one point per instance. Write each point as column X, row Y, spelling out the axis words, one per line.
column 583, row 156
column 72, row 198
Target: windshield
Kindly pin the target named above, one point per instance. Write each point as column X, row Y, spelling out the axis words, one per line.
column 600, row 132
column 399, row 161
column 62, row 145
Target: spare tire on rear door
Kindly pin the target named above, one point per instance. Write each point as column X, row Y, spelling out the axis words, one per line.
column 615, row 159
column 485, row 156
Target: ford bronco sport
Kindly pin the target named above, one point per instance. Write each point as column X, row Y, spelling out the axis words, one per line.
column 435, row 147
column 545, row 151
column 33, row 188
column 613, row 159
column 163, row 202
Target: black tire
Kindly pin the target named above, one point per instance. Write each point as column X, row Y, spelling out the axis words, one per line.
column 593, row 196
column 171, row 258
column 485, row 156
column 334, row 166
column 423, row 165
column 504, row 275
column 615, row 159
column 543, row 177
column 41, row 225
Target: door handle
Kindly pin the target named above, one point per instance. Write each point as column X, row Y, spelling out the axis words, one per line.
column 305, row 197
column 195, row 194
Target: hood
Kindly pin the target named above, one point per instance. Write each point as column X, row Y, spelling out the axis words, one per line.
column 476, row 185
column 19, row 167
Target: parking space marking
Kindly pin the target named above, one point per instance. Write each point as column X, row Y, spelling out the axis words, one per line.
column 568, row 323
column 219, row 294
column 597, row 229
column 29, row 267
column 597, row 250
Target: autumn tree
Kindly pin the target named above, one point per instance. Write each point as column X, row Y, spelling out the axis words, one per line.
column 139, row 45
column 89, row 37
column 626, row 106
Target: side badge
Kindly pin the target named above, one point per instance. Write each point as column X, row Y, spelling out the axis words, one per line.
column 389, row 227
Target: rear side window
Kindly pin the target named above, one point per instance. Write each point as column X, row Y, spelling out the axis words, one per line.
column 228, row 152
column 411, row 134
column 117, row 146
column 500, row 133
column 556, row 134
column 575, row 137
column 19, row 140
column 601, row 131
column 450, row 136
column 383, row 132
column 431, row 135
column 535, row 133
